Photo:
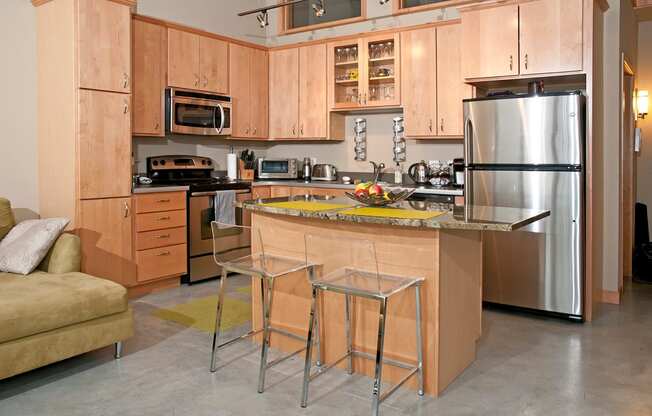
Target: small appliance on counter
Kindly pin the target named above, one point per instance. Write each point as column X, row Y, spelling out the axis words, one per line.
column 307, row 169
column 458, row 173
column 277, row 168
column 324, row 172
column 419, row 173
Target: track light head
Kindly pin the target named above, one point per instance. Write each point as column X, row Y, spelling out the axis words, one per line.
column 263, row 19
column 319, row 8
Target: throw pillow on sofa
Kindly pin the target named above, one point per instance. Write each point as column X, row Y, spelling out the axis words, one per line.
column 27, row 244
column 7, row 221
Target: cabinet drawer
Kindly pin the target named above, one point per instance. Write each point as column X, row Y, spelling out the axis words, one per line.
column 163, row 201
column 160, row 220
column 160, row 238
column 161, row 262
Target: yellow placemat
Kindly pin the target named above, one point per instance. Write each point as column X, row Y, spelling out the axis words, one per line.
column 392, row 213
column 305, row 205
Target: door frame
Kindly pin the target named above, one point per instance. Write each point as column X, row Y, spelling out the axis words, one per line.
column 627, row 192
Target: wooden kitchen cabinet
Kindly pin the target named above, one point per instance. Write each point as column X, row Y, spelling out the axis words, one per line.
column 490, row 41
column 550, row 36
column 419, row 79
column 104, row 144
column 313, row 111
column 149, row 76
column 104, row 46
column 261, row 192
column 284, row 94
column 105, row 230
column 279, row 191
column 248, row 69
column 451, row 88
column 197, row 62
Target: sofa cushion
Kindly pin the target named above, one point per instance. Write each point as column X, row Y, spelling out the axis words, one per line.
column 7, row 220
column 41, row 302
column 64, row 256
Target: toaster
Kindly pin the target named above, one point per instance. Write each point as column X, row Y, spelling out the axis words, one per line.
column 324, row 172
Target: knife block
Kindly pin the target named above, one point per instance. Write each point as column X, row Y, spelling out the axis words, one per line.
column 245, row 174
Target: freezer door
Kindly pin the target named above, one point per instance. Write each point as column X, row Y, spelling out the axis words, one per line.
column 546, row 130
column 540, row 266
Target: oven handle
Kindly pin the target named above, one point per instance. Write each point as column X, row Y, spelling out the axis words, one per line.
column 212, row 193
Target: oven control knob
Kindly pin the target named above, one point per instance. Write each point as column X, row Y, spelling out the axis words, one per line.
column 155, row 163
column 203, row 162
column 162, row 162
column 210, row 162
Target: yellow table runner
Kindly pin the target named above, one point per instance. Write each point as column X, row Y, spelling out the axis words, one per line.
column 392, row 213
column 305, row 205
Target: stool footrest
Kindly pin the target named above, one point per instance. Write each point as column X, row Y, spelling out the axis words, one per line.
column 399, row 384
column 321, row 370
column 240, row 338
column 388, row 361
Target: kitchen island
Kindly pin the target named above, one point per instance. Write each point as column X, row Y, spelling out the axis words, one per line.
column 445, row 249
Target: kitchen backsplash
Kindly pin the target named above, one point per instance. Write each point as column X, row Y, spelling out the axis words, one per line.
column 341, row 154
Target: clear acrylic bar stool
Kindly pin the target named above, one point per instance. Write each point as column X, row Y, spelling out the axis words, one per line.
column 258, row 264
column 352, row 272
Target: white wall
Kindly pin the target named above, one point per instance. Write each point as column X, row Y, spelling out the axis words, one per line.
column 18, row 153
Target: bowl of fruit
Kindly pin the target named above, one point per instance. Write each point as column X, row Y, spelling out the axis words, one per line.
column 374, row 195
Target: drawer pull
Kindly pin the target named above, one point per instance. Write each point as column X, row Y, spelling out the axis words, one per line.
column 164, row 253
column 161, row 201
column 164, row 219
column 163, row 236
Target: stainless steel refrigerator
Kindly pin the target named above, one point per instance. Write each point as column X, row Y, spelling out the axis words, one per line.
column 528, row 152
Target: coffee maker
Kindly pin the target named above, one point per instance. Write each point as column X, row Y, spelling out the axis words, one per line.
column 458, row 173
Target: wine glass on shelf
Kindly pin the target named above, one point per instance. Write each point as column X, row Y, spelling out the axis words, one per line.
column 354, row 53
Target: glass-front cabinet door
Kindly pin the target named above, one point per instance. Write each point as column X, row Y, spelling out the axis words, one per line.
column 346, row 82
column 365, row 72
column 382, row 71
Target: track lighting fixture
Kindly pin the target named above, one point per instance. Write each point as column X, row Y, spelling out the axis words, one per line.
column 263, row 19
column 319, row 8
column 383, row 2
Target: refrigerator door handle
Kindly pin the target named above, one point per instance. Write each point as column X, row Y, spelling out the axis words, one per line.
column 468, row 140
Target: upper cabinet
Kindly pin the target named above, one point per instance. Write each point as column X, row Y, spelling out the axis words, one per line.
column 365, row 72
column 149, row 69
column 313, row 111
column 490, row 42
column 551, row 36
column 549, row 33
column 433, row 87
column 248, row 69
column 197, row 62
column 104, row 42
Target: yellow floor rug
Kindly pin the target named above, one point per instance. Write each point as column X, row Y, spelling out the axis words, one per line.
column 200, row 313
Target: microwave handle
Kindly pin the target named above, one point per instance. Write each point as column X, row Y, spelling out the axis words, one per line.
column 222, row 115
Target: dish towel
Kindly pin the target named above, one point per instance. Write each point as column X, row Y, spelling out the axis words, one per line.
column 225, row 207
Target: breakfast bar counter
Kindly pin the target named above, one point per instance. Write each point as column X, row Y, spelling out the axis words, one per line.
column 441, row 243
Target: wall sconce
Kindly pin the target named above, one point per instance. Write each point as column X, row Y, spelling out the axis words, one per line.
column 642, row 103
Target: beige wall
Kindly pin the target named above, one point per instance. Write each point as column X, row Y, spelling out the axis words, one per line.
column 18, row 166
column 644, row 82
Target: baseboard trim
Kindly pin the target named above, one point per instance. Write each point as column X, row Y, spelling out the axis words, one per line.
column 611, row 296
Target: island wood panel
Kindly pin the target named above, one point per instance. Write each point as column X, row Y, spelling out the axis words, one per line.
column 419, row 78
column 261, row 192
column 259, row 90
column 214, row 65
column 284, row 94
column 490, row 42
column 329, row 191
column 435, row 255
column 313, row 112
column 149, row 78
column 104, row 46
column 279, row 191
column 183, row 59
column 451, row 89
column 550, row 36
column 240, row 76
column 104, row 148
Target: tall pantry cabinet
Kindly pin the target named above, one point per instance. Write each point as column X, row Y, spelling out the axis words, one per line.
column 84, row 127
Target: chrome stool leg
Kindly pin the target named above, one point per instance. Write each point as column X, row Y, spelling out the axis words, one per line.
column 317, row 331
column 375, row 405
column 267, row 306
column 349, row 338
column 218, row 318
column 306, row 370
column 417, row 291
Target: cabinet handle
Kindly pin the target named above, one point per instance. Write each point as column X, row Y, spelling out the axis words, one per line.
column 301, row 130
column 164, row 218
column 511, row 62
column 364, row 97
column 160, row 201
column 430, row 125
column 205, row 80
column 126, row 210
column 163, row 236
column 254, row 132
column 164, row 253
column 126, row 108
column 359, row 98
column 126, row 80
column 247, row 130
column 441, row 127
column 294, row 130
column 156, row 126
column 526, row 61
column 196, row 80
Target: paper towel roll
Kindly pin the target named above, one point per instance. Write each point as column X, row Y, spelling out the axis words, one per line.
column 232, row 166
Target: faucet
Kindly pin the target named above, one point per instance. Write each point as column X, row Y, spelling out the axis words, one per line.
column 378, row 169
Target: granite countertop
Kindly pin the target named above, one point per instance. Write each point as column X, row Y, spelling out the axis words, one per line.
column 456, row 217
column 420, row 189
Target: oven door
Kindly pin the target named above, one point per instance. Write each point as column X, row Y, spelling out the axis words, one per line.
column 195, row 116
column 200, row 215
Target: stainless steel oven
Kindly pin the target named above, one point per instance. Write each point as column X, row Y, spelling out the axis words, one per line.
column 201, row 211
column 198, row 113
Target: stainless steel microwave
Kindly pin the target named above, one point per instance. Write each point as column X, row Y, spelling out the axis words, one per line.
column 192, row 112
column 277, row 168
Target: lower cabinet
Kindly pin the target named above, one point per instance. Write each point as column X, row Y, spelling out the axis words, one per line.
column 160, row 236
column 285, row 191
column 105, row 229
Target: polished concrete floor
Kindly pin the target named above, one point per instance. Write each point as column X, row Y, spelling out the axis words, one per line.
column 526, row 366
